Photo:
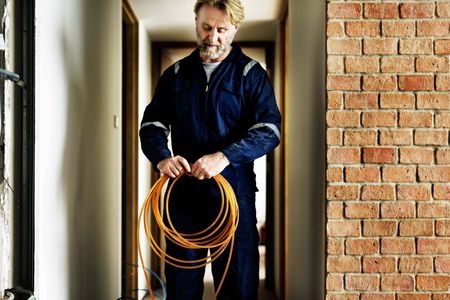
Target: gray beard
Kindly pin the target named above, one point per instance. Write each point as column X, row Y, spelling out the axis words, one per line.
column 214, row 53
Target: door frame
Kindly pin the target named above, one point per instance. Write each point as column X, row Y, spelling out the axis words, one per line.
column 130, row 121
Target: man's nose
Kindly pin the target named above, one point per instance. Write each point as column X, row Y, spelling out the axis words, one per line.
column 213, row 36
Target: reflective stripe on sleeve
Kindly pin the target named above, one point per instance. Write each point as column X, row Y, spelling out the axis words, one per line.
column 157, row 124
column 249, row 66
column 269, row 125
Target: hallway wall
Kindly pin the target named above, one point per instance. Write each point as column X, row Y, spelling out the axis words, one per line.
column 305, row 144
column 78, row 149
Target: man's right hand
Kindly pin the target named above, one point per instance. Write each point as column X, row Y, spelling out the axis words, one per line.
column 174, row 166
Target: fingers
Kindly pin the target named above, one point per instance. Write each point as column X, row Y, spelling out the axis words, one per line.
column 174, row 166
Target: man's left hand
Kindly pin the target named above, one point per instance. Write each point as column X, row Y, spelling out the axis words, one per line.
column 209, row 165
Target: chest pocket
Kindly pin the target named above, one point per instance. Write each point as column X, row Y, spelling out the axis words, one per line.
column 179, row 98
column 231, row 102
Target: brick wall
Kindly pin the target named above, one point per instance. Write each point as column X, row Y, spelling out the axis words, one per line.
column 388, row 154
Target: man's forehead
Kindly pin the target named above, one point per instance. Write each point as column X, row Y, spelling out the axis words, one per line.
column 213, row 16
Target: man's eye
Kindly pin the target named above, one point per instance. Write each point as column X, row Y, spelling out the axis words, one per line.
column 207, row 28
column 222, row 30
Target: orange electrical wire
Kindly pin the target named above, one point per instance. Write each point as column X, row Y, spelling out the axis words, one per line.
column 226, row 221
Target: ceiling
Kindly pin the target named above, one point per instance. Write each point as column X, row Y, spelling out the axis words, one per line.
column 174, row 20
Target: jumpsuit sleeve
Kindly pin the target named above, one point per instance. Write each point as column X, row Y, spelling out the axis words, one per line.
column 262, row 132
column 155, row 125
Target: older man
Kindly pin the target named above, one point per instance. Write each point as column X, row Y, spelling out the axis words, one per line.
column 219, row 107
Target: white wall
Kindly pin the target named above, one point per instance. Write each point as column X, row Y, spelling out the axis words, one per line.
column 78, row 150
column 145, row 94
column 6, row 193
column 306, row 150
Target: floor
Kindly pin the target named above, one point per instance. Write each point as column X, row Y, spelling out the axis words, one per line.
column 209, row 288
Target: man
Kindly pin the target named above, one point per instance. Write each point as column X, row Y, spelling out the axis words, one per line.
column 220, row 110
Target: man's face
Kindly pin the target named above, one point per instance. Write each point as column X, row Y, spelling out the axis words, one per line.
column 215, row 33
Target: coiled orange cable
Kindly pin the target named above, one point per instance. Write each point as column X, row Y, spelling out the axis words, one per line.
column 226, row 221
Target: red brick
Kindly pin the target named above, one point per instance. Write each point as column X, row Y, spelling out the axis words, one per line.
column 340, row 296
column 432, row 64
column 397, row 246
column 416, row 228
column 433, row 101
column 361, row 282
column 398, row 210
column 416, row 82
column 442, row 47
column 397, row 283
column 414, row 192
column 396, row 137
column 335, row 174
column 379, row 82
column 362, row 174
column 417, row 155
column 379, row 119
column 441, row 192
column 378, row 296
column 416, row 10
column 433, row 210
column 380, row 46
column 361, row 101
column 445, row 296
column 379, row 155
column 335, row 210
column 361, row 210
column 433, row 28
column 379, row 228
column 399, row 173
column 443, row 227
column 415, row 119
column 443, row 82
column 433, row 282
column 397, row 100
column 343, row 155
column 443, row 120
column 360, row 137
column 335, row 246
column 362, row 29
column 442, row 264
column 397, row 64
column 342, row 118
column 335, row 64
column 344, row 10
column 443, row 10
column 362, row 246
column 378, row 192
column 398, row 29
column 366, row 64
column 380, row 11
column 342, row 192
column 347, row 46
column 343, row 228
column 334, row 137
column 434, row 173
column 414, row 296
column 418, row 264
column 341, row 264
column 335, row 29
column 416, row 46
column 334, row 100
column 344, row 82
column 334, row 282
column 377, row 264
column 431, row 137
column 433, row 246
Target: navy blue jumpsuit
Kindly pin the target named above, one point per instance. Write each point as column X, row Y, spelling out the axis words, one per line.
column 235, row 113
